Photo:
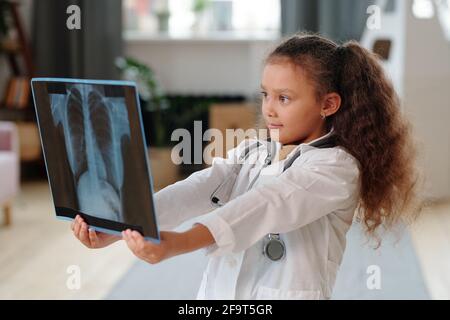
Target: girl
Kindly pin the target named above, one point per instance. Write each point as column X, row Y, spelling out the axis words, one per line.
column 281, row 235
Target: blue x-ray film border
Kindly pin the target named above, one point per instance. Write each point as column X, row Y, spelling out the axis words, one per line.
column 108, row 231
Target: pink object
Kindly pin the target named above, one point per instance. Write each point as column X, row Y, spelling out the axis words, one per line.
column 9, row 161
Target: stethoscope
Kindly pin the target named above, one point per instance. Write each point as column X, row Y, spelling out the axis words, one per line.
column 274, row 247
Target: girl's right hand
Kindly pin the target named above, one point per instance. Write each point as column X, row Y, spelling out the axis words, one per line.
column 89, row 237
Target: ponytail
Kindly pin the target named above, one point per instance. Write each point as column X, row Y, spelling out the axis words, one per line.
column 372, row 127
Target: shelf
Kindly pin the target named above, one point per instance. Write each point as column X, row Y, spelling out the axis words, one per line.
column 212, row 36
column 10, row 46
column 8, row 114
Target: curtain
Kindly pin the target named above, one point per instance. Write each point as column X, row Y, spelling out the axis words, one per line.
column 85, row 53
column 340, row 20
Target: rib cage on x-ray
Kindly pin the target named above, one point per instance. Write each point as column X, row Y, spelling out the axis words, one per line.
column 93, row 127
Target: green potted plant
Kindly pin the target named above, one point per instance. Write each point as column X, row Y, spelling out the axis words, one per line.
column 162, row 13
column 163, row 20
column 200, row 5
column 199, row 8
column 154, row 105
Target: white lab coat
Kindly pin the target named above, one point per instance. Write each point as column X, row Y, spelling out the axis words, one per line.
column 311, row 205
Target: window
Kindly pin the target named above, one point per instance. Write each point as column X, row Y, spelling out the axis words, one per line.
column 423, row 9
column 178, row 17
column 443, row 7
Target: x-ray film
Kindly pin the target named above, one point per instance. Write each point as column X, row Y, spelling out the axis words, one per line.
column 95, row 153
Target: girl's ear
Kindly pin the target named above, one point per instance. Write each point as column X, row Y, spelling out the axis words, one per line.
column 331, row 104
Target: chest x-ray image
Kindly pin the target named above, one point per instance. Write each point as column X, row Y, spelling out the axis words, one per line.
column 96, row 160
column 93, row 124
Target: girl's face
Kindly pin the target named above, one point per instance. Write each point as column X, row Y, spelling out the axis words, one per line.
column 289, row 105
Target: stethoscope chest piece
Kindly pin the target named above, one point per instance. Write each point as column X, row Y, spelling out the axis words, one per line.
column 274, row 247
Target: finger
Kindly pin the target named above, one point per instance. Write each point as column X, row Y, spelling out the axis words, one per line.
column 84, row 238
column 146, row 250
column 74, row 222
column 130, row 245
column 93, row 237
column 76, row 229
column 130, row 241
column 125, row 237
column 138, row 239
column 137, row 236
column 78, row 222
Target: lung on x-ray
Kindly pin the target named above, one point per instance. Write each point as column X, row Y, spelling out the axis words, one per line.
column 95, row 154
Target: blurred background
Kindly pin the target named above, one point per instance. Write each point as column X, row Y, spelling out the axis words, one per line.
column 201, row 60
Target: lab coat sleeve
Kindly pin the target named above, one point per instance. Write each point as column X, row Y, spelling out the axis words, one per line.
column 299, row 196
column 190, row 197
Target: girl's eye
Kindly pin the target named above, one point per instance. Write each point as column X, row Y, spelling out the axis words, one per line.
column 284, row 99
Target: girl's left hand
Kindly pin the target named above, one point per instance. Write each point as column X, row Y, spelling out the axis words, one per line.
column 172, row 244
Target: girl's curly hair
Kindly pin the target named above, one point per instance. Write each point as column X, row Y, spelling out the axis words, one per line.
column 369, row 124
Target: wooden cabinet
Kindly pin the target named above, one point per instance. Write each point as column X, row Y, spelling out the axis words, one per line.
column 29, row 141
column 232, row 116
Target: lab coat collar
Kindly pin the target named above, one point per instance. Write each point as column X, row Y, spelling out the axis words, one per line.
column 307, row 146
column 275, row 146
column 331, row 132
